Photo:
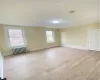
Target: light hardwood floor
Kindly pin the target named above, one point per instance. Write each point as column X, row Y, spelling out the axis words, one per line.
column 54, row 64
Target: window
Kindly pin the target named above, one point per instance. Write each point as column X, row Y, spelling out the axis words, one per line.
column 16, row 37
column 50, row 36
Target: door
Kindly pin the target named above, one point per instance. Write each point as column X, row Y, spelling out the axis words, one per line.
column 94, row 40
column 99, row 41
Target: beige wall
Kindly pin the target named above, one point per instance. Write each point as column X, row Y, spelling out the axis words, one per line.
column 36, row 39
column 77, row 36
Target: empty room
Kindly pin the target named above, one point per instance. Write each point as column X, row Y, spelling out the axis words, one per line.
column 49, row 39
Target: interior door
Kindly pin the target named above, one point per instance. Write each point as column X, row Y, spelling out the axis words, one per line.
column 94, row 40
column 99, row 41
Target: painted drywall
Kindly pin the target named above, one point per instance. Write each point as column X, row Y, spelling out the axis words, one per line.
column 35, row 36
column 3, row 47
column 1, row 66
column 77, row 36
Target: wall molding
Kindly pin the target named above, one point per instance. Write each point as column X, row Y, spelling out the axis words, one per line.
column 3, row 79
column 94, row 50
column 45, row 48
column 10, row 53
column 76, row 47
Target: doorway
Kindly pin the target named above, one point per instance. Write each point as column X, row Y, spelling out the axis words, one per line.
column 94, row 40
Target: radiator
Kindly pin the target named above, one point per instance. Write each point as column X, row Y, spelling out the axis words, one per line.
column 19, row 50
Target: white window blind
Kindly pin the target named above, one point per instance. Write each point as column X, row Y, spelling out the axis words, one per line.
column 50, row 36
column 16, row 37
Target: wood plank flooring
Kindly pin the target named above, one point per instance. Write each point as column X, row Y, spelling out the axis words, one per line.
column 54, row 64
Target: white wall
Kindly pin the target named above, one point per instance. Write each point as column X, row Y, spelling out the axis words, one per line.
column 1, row 67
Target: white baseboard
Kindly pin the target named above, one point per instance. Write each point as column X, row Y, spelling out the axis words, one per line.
column 76, row 47
column 94, row 50
column 10, row 53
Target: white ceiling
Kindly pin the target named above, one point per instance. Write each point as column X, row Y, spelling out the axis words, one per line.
column 41, row 12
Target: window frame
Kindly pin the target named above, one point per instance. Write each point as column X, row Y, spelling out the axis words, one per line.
column 53, row 35
column 8, row 40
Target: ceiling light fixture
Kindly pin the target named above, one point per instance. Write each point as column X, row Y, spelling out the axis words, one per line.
column 71, row 12
column 56, row 21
